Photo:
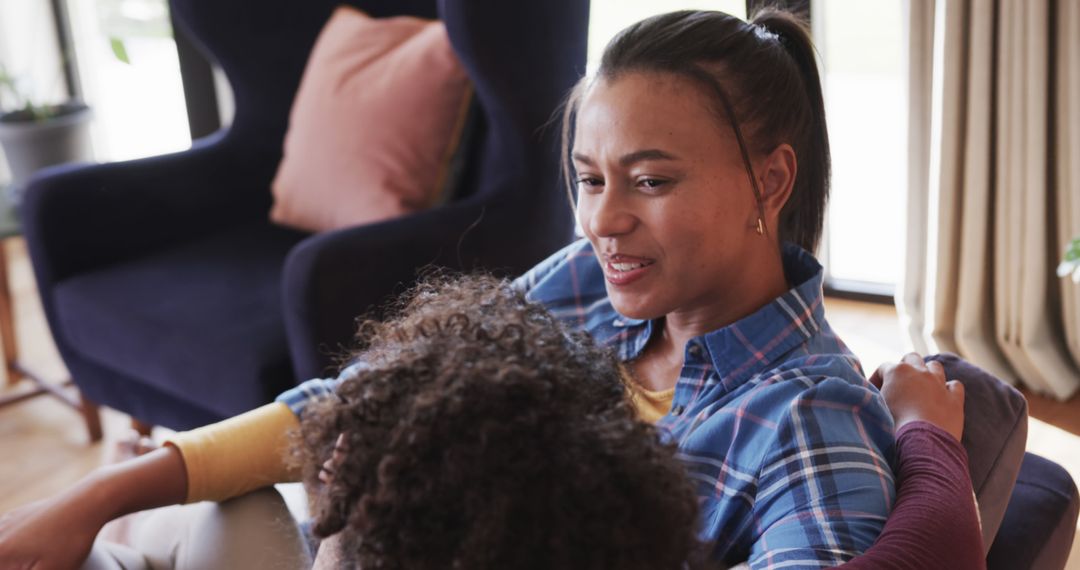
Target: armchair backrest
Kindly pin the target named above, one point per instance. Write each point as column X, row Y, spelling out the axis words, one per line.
column 263, row 48
column 522, row 57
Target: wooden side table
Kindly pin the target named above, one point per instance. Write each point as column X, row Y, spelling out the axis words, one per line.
column 16, row 371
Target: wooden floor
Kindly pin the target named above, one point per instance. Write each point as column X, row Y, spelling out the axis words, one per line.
column 43, row 445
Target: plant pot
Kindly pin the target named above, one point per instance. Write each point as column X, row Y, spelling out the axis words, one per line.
column 30, row 144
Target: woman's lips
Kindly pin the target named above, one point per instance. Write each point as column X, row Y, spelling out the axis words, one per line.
column 625, row 269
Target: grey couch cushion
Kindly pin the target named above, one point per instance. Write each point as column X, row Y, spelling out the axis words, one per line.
column 995, row 435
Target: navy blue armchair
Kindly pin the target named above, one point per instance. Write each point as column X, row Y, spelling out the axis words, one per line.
column 172, row 298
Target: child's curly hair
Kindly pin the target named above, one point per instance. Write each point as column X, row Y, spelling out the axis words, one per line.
column 484, row 435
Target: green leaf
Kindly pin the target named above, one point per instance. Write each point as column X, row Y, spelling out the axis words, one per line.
column 1072, row 252
column 119, row 49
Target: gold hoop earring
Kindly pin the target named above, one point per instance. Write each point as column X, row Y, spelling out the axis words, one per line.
column 760, row 227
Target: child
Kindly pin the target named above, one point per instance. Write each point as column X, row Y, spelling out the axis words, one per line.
column 483, row 435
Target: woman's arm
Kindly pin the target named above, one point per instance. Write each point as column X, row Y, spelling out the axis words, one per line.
column 825, row 486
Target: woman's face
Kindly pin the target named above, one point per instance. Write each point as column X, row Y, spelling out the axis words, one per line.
column 665, row 199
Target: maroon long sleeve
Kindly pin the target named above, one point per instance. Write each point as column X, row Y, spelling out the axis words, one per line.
column 934, row 523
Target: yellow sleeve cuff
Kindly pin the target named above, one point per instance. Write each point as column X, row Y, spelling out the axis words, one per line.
column 238, row 455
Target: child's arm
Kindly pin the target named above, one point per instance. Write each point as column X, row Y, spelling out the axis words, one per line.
column 238, row 455
column 249, row 451
column 934, row 523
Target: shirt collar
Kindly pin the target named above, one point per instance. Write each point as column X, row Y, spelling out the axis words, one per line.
column 750, row 345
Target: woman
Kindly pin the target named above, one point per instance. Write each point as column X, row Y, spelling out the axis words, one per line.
column 700, row 156
column 695, row 172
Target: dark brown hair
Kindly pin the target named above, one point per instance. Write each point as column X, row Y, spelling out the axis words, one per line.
column 764, row 78
column 484, row 435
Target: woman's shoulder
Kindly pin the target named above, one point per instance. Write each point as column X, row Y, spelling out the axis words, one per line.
column 824, row 393
column 569, row 276
column 814, row 375
column 820, row 366
column 827, row 390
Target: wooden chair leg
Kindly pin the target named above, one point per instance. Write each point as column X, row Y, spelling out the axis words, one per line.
column 15, row 372
column 92, row 415
column 8, row 340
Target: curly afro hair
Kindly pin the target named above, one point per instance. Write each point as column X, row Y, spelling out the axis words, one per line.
column 484, row 435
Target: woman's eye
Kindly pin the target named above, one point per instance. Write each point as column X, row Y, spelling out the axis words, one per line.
column 589, row 182
column 651, row 184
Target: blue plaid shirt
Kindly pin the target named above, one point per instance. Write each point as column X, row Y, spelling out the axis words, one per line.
column 784, row 438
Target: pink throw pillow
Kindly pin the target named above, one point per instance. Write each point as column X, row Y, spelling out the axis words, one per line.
column 374, row 125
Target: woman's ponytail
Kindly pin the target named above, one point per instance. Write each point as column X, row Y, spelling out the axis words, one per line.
column 804, row 214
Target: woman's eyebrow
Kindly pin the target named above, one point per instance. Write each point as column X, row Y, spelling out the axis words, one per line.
column 578, row 157
column 631, row 158
column 642, row 155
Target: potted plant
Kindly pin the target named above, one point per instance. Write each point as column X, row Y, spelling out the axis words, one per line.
column 35, row 135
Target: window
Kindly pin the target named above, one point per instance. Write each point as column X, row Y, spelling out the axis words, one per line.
column 139, row 107
column 28, row 52
column 862, row 53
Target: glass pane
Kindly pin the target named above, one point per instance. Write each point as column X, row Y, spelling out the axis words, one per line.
column 29, row 56
column 866, row 105
column 609, row 17
column 130, row 76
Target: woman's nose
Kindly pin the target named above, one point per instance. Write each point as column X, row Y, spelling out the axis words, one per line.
column 609, row 214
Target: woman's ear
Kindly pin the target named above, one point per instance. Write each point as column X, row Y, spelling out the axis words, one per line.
column 778, row 171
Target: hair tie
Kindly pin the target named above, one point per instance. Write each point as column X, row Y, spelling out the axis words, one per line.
column 766, row 34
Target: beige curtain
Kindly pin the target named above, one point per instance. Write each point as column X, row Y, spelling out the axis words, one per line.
column 994, row 186
column 1067, row 148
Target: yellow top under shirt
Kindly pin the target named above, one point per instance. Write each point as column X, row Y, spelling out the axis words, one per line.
column 650, row 405
column 250, row 451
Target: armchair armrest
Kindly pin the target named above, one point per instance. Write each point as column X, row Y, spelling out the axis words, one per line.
column 77, row 217
column 332, row 278
column 995, row 436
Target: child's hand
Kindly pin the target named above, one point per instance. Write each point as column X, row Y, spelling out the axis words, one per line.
column 916, row 391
